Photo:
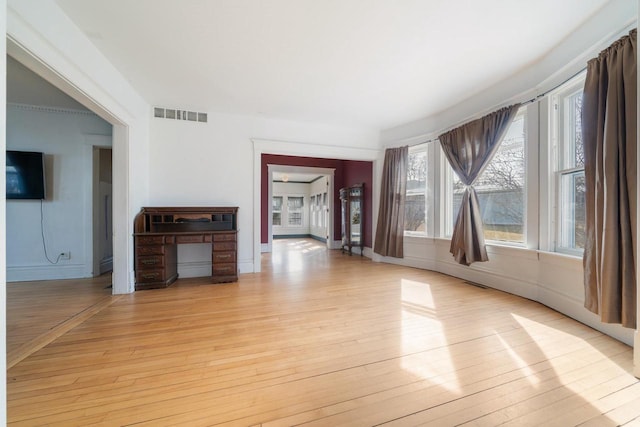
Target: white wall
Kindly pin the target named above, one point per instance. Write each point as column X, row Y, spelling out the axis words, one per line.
column 212, row 164
column 62, row 136
column 550, row 278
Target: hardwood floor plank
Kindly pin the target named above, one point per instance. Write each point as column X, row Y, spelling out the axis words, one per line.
column 335, row 341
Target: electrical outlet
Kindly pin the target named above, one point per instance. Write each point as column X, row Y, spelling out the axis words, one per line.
column 65, row 255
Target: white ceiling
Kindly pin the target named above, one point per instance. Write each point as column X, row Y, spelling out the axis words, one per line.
column 362, row 63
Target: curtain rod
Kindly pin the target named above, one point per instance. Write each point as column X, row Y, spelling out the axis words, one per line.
column 530, row 101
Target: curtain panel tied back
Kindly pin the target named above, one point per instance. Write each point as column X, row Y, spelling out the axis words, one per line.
column 609, row 131
column 390, row 229
column 469, row 149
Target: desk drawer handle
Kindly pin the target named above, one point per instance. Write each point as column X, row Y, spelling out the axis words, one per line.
column 224, row 256
column 149, row 261
column 150, row 276
column 224, row 268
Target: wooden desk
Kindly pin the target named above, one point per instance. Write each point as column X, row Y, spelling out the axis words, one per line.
column 157, row 231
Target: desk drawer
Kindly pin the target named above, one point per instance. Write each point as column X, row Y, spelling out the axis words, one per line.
column 224, row 246
column 227, row 269
column 150, row 262
column 198, row 238
column 227, row 237
column 222, row 257
column 149, row 240
column 146, row 276
column 150, row 250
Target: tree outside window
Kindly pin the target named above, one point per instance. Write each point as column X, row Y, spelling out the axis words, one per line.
column 415, row 203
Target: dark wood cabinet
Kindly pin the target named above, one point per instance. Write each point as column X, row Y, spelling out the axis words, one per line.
column 158, row 231
column 351, row 202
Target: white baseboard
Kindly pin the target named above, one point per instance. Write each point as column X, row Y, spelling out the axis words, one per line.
column 531, row 280
column 505, row 283
column 265, row 247
column 636, row 354
column 575, row 309
column 46, row 272
column 245, row 267
column 335, row 244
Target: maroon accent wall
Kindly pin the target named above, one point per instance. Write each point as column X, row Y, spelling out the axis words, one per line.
column 347, row 173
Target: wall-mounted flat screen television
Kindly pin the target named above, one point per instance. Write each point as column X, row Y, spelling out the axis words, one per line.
column 25, row 175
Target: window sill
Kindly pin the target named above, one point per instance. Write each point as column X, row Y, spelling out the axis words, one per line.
column 497, row 248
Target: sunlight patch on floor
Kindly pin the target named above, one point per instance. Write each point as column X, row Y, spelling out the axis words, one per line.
column 291, row 254
column 520, row 363
column 422, row 330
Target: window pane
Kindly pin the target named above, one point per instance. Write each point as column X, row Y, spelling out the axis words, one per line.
column 294, row 202
column 458, row 191
column 323, row 214
column 295, row 218
column 572, row 213
column 277, row 220
column 569, row 179
column 277, row 203
column 415, row 213
column 574, row 152
column 500, row 188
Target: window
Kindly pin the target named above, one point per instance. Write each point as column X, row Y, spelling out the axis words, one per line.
column 313, row 211
column 318, row 210
column 277, row 210
column 324, row 207
column 415, row 204
column 501, row 188
column 294, row 208
column 569, row 176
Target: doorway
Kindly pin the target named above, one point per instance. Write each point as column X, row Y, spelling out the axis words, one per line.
column 301, row 204
column 102, row 210
column 122, row 116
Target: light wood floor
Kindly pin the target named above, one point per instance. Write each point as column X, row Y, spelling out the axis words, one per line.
column 40, row 311
column 324, row 339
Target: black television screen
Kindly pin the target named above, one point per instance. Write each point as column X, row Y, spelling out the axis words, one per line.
column 25, row 175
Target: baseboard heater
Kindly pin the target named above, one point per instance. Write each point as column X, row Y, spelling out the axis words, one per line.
column 477, row 285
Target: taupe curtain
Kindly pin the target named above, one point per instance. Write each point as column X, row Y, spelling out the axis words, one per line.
column 390, row 230
column 609, row 131
column 469, row 148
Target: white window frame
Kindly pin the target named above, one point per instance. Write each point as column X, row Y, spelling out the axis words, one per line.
column 559, row 136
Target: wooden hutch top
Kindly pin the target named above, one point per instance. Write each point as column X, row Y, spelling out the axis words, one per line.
column 169, row 220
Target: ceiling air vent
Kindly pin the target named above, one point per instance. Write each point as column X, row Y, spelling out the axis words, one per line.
column 175, row 114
